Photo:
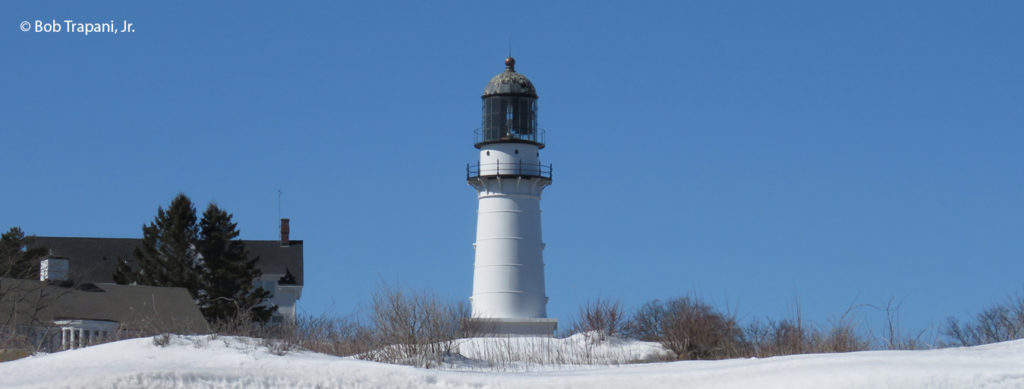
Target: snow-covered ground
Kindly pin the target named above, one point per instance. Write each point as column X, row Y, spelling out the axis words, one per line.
column 539, row 354
column 226, row 362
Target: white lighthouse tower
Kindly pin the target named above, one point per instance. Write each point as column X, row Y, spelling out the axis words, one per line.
column 508, row 277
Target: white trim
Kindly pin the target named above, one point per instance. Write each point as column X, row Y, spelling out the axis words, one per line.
column 77, row 333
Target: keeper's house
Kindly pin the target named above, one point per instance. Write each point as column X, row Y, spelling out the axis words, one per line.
column 93, row 260
column 58, row 315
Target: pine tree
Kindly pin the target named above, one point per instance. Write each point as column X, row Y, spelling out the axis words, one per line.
column 207, row 258
column 123, row 273
column 168, row 255
column 17, row 260
column 229, row 272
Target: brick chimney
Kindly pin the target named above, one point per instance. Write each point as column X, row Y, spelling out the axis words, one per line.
column 284, row 232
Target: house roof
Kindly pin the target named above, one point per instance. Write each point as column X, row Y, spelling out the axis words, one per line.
column 278, row 259
column 140, row 308
column 94, row 259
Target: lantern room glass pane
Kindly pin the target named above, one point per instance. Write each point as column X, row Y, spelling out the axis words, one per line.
column 509, row 117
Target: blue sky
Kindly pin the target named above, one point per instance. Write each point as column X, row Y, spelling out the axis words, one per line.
column 755, row 154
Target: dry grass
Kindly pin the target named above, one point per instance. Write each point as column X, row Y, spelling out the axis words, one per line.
column 417, row 328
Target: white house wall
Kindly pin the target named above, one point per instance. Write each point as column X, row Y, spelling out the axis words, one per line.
column 284, row 296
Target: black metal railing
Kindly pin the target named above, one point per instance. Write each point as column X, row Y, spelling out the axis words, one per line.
column 499, row 134
column 508, row 169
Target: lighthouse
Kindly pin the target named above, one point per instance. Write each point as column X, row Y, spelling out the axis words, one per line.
column 508, row 275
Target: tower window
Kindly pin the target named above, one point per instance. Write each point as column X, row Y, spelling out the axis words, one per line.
column 517, row 151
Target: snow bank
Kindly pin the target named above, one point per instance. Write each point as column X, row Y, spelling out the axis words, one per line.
column 536, row 353
column 226, row 362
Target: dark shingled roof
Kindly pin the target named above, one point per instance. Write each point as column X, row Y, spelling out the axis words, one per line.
column 140, row 308
column 510, row 83
column 94, row 259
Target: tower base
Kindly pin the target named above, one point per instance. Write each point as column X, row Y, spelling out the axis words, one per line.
column 491, row 326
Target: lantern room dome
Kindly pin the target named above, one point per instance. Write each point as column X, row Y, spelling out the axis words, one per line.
column 510, row 83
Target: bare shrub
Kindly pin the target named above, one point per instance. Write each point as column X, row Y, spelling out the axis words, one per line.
column 999, row 323
column 408, row 328
column 841, row 338
column 330, row 335
column 323, row 334
column 23, row 299
column 604, row 318
column 415, row 328
column 795, row 336
column 688, row 327
column 773, row 338
column 694, row 330
column 26, row 322
column 645, row 323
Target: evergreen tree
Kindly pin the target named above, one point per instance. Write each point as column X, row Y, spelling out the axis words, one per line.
column 17, row 260
column 229, row 272
column 123, row 273
column 207, row 258
column 168, row 255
